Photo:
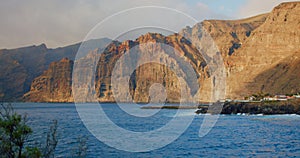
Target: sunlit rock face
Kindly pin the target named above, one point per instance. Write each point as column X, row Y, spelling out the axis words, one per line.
column 275, row 42
column 150, row 59
column 168, row 55
column 253, row 49
column 54, row 85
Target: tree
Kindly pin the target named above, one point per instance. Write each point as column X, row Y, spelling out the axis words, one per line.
column 14, row 132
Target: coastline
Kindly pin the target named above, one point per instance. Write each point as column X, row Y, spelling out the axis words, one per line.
column 263, row 107
column 254, row 108
column 229, row 108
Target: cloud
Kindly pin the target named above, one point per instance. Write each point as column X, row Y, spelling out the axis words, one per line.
column 255, row 7
column 59, row 23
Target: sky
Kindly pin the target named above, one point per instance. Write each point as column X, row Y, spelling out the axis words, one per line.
column 63, row 22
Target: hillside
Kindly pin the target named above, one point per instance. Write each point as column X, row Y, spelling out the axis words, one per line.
column 283, row 78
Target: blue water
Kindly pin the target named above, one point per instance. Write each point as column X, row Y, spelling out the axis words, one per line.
column 232, row 136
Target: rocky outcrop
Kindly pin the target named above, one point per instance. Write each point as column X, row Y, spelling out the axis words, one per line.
column 54, row 85
column 266, row 108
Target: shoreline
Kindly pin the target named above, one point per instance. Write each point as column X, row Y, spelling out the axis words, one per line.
column 250, row 108
column 265, row 107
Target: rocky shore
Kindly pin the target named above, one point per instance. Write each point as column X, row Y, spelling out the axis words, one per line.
column 228, row 108
column 265, row 107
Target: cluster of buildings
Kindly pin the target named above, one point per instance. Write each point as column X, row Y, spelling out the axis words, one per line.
column 281, row 98
column 267, row 98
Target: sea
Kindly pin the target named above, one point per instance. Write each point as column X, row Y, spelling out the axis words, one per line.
column 231, row 135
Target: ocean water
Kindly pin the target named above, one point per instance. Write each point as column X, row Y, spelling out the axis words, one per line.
column 232, row 135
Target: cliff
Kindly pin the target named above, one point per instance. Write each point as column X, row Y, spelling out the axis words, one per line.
column 144, row 75
column 275, row 42
column 253, row 47
column 19, row 67
column 54, row 85
column 260, row 54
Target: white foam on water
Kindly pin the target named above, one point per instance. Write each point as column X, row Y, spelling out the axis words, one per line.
column 181, row 113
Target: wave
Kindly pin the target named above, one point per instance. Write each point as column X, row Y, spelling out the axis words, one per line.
column 181, row 113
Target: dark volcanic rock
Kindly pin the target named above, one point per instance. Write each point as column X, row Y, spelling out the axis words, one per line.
column 266, row 108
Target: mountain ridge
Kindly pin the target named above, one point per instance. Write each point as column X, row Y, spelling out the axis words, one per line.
column 254, row 49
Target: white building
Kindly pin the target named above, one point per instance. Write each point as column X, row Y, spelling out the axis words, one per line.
column 281, row 97
column 270, row 99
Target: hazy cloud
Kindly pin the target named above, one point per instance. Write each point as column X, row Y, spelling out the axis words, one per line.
column 63, row 22
column 58, row 23
column 255, row 7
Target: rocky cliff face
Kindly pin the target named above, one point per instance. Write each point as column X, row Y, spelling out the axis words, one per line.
column 54, row 85
column 145, row 75
column 260, row 54
column 275, row 42
column 254, row 46
column 20, row 66
column 228, row 35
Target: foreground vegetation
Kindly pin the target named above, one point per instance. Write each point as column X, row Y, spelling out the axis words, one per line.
column 14, row 133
